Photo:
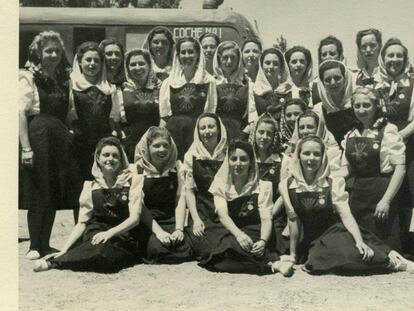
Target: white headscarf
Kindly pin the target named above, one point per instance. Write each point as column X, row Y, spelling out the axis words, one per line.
column 223, row 182
column 237, row 77
column 327, row 101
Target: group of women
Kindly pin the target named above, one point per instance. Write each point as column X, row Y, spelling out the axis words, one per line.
column 236, row 157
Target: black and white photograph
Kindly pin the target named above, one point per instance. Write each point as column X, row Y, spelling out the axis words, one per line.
column 210, row 155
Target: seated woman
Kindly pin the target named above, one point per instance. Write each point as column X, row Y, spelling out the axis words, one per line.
column 209, row 42
column 162, row 199
column 299, row 83
column 103, row 240
column 201, row 163
column 335, row 88
column 188, row 92
column 290, row 112
column 272, row 73
column 233, row 100
column 318, row 210
column 374, row 155
column 140, row 97
column 243, row 204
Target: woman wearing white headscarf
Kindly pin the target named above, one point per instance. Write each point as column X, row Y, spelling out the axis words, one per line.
column 235, row 106
column 140, row 98
column 96, row 104
column 188, row 92
column 318, row 210
column 104, row 239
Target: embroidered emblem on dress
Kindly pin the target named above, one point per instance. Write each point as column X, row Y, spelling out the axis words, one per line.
column 360, row 154
column 391, row 107
column 145, row 100
column 246, row 209
column 97, row 101
column 308, row 203
column 187, row 97
column 229, row 98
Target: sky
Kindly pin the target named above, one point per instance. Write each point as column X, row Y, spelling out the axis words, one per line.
column 306, row 22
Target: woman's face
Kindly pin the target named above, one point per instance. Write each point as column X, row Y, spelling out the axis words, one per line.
column 160, row 46
column 208, row 131
column 307, row 126
column 264, row 135
column 297, row 64
column 251, row 54
column 109, row 160
column 369, row 47
column 271, row 65
column 310, row 157
column 394, row 59
column 91, row 64
column 138, row 67
column 333, row 80
column 113, row 56
column 51, row 54
column 229, row 60
column 292, row 112
column 239, row 163
column 209, row 47
column 159, row 150
column 329, row 51
column 364, row 109
column 188, row 54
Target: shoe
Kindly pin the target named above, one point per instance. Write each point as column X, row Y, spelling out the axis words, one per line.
column 41, row 265
column 284, row 267
column 33, row 254
column 399, row 263
column 49, row 250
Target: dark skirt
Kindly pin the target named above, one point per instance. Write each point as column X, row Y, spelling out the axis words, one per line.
column 335, row 251
column 54, row 181
column 181, row 128
column 119, row 252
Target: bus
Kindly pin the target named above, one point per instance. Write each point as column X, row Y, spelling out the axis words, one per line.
column 128, row 25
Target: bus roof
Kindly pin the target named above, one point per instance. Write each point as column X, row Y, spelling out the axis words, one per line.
column 131, row 16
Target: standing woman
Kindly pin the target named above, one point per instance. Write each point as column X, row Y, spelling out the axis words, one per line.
column 335, row 88
column 374, row 156
column 251, row 51
column 161, row 235
column 272, row 73
column 140, row 97
column 243, row 204
column 104, row 239
column 160, row 43
column 50, row 177
column 318, row 210
column 369, row 43
column 299, row 84
column 396, row 85
column 201, row 163
column 209, row 42
column 233, row 100
column 96, row 104
column 188, row 92
column 113, row 52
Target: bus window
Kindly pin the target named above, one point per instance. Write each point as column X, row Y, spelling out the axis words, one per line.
column 83, row 34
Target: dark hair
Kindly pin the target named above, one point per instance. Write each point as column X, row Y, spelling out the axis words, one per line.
column 254, row 40
column 310, row 138
column 111, row 41
column 331, row 40
column 296, row 102
column 228, row 45
column 213, row 116
column 394, row 41
column 209, row 35
column 330, row 64
column 144, row 53
column 266, row 119
column 275, row 51
column 309, row 114
column 88, row 46
column 180, row 41
column 161, row 30
column 298, row 48
column 110, row 141
column 155, row 132
column 365, row 32
column 243, row 145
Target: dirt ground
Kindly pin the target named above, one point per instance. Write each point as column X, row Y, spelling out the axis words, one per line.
column 189, row 287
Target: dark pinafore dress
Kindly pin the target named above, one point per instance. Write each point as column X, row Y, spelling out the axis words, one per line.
column 363, row 80
column 326, row 244
column 187, row 103
column 141, row 111
column 271, row 172
column 339, row 122
column 304, row 94
column 160, row 196
column 269, row 102
column 228, row 256
column 110, row 208
column 93, row 109
column 53, row 182
column 366, row 186
column 232, row 107
column 203, row 174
